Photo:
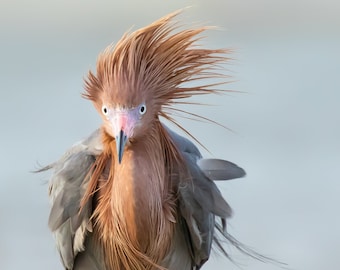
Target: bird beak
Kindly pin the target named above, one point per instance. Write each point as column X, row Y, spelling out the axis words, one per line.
column 121, row 139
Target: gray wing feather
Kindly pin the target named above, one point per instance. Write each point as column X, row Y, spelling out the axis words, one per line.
column 200, row 200
column 218, row 169
column 67, row 187
column 91, row 258
column 183, row 144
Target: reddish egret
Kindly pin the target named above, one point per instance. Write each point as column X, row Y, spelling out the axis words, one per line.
column 136, row 195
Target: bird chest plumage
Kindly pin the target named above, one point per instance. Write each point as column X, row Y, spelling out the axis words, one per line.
column 135, row 204
column 135, row 195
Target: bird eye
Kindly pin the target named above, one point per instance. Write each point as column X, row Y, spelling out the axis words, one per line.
column 142, row 109
column 104, row 110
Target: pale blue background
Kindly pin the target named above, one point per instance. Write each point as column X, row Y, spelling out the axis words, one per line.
column 287, row 125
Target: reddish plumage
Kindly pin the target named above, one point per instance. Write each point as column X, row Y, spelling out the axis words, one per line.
column 154, row 207
column 135, row 210
column 135, row 213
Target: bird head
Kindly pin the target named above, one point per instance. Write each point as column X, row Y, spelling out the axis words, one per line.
column 127, row 112
column 124, row 123
column 144, row 74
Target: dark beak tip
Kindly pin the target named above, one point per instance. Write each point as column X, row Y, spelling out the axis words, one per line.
column 120, row 143
column 120, row 157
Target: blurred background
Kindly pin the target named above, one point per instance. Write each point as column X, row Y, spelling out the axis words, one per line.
column 286, row 125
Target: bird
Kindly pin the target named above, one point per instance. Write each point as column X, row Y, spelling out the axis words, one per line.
column 135, row 194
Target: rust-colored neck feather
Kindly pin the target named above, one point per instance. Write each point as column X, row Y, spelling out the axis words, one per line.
column 134, row 211
column 134, row 202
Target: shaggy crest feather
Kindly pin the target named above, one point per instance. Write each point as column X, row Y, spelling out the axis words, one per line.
column 155, row 207
column 159, row 64
column 163, row 65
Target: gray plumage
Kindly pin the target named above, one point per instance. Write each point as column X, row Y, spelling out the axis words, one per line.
column 199, row 202
column 156, row 207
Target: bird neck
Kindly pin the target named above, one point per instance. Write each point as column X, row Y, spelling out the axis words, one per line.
column 141, row 185
column 135, row 207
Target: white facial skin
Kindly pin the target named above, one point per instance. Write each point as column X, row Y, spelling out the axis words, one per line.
column 125, row 119
column 123, row 123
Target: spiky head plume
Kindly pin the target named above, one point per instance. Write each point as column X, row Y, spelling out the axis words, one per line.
column 155, row 64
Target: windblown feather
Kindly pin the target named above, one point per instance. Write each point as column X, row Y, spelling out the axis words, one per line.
column 158, row 64
column 155, row 210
